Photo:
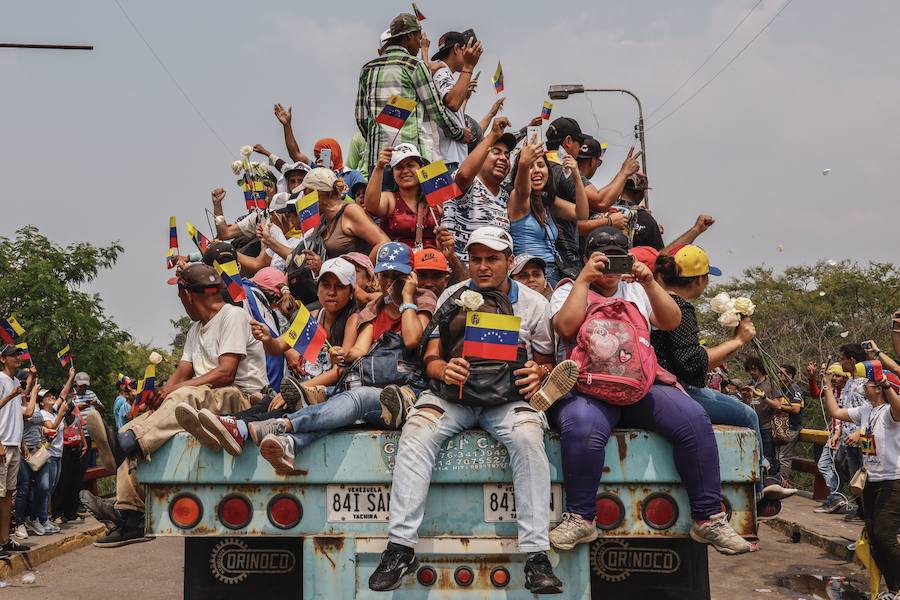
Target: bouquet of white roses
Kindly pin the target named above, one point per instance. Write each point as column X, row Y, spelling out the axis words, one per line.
column 731, row 310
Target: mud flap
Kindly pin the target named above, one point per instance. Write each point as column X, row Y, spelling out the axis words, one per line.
column 663, row 569
column 226, row 568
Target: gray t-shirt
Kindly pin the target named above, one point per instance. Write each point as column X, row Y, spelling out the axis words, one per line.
column 32, row 434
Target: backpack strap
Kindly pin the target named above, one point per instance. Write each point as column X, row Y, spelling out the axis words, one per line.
column 444, row 313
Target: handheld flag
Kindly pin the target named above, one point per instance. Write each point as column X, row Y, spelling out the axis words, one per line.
column 144, row 390
column 498, row 78
column 418, row 13
column 10, row 330
column 553, row 157
column 304, row 335
column 545, row 111
column 489, row 335
column 230, row 274
column 24, row 353
column 200, row 240
column 396, row 111
column 254, row 194
column 64, row 356
column 123, row 378
column 437, row 184
column 173, row 244
column 308, row 209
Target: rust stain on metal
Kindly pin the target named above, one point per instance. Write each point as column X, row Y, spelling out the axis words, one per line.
column 622, row 444
column 324, row 545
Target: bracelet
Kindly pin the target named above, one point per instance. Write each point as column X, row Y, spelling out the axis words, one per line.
column 220, row 220
column 273, row 159
column 464, row 71
column 546, row 370
column 408, row 305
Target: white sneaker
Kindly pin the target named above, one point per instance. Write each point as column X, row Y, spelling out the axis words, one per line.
column 718, row 533
column 560, row 381
column 50, row 526
column 35, row 526
column 278, row 449
column 573, row 530
column 20, row 532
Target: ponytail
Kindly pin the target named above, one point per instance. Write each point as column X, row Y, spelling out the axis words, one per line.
column 670, row 272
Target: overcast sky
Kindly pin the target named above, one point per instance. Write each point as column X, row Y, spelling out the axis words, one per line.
column 105, row 147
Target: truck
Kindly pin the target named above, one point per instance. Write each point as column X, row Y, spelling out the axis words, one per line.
column 319, row 532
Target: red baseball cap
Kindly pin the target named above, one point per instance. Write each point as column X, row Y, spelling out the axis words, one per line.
column 646, row 255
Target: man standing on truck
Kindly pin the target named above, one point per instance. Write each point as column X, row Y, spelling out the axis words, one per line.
column 222, row 369
column 452, row 405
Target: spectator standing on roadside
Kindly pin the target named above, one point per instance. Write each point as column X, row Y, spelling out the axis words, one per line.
column 122, row 404
column 11, row 426
column 87, row 401
column 398, row 71
column 32, row 486
column 794, row 408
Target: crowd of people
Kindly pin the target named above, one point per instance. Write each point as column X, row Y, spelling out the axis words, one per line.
column 594, row 294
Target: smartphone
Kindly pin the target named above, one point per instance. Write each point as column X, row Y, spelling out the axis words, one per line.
column 469, row 34
column 620, row 265
column 867, row 346
column 477, row 75
column 534, row 135
column 325, row 158
column 562, row 154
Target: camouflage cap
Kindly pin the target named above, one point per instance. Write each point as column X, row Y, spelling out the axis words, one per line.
column 404, row 23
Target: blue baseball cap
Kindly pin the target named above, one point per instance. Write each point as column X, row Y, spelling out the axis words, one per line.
column 394, row 256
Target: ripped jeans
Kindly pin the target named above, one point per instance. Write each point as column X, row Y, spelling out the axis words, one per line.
column 516, row 425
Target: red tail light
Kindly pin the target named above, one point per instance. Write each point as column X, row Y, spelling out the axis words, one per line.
column 285, row 511
column 464, row 576
column 660, row 511
column 610, row 512
column 500, row 577
column 235, row 512
column 426, row 576
column 185, row 511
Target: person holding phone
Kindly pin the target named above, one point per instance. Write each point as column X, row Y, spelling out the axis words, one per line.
column 534, row 209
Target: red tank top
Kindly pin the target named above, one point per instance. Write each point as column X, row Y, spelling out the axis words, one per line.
column 400, row 225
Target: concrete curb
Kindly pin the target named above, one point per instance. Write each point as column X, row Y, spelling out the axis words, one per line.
column 15, row 564
column 836, row 547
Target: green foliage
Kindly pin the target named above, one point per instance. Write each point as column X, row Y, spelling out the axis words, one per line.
column 40, row 285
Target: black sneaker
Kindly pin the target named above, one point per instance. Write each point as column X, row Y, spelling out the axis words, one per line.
column 292, row 392
column 13, row 546
column 395, row 403
column 539, row 577
column 396, row 561
column 122, row 536
column 103, row 509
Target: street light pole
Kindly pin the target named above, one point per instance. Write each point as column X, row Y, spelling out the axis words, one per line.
column 46, row 46
column 561, row 92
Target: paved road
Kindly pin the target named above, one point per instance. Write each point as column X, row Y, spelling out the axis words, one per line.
column 154, row 570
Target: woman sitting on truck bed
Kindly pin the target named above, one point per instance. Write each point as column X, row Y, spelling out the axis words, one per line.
column 389, row 331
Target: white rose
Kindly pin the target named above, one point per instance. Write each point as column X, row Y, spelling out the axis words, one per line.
column 155, row 358
column 744, row 306
column 236, row 167
column 469, row 300
column 246, row 150
column 729, row 319
column 721, row 303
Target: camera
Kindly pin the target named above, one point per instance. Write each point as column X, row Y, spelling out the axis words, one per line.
column 620, row 264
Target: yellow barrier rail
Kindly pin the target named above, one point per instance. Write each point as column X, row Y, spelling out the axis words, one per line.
column 814, row 436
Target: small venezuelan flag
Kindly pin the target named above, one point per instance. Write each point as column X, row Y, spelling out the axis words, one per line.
column 304, row 335
column 10, row 330
column 489, row 335
column 64, row 356
column 498, row 78
column 200, row 240
column 553, row 157
column 230, row 274
column 24, row 353
column 396, row 111
column 123, row 378
column 254, row 194
column 418, row 13
column 545, row 111
column 437, row 184
column 308, row 209
column 144, row 390
column 173, row 243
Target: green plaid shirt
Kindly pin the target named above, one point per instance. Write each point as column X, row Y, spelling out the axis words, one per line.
column 397, row 72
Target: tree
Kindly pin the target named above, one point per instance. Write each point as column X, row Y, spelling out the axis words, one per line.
column 41, row 286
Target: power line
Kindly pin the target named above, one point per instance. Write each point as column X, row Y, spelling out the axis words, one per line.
column 175, row 81
column 708, row 58
column 728, row 64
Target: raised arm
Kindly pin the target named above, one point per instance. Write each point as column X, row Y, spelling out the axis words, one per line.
column 455, row 98
column 666, row 314
column 831, row 404
column 743, row 333
column 284, row 117
column 566, row 210
column 224, row 229
column 378, row 203
column 606, row 196
column 519, row 203
column 412, row 323
column 496, row 107
column 28, row 409
column 703, row 223
column 471, row 166
column 428, row 97
column 67, row 387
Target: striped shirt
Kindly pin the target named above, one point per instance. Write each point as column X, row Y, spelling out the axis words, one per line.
column 399, row 73
column 476, row 208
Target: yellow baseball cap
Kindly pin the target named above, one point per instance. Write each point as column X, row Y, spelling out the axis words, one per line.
column 693, row 261
column 837, row 369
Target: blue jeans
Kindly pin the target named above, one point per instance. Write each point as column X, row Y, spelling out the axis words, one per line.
column 32, row 482
column 55, row 471
column 728, row 410
column 829, row 473
column 359, row 405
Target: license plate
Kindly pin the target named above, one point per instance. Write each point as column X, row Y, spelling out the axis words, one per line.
column 369, row 503
column 500, row 502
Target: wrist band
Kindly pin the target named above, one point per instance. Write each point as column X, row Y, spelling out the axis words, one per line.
column 469, row 72
column 407, row 305
column 220, row 220
column 273, row 159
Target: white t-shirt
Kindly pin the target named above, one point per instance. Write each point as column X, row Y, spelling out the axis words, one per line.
column 534, row 330
column 247, row 224
column 452, row 151
column 228, row 332
column 881, row 457
column 56, row 446
column 11, row 422
column 632, row 292
column 278, row 262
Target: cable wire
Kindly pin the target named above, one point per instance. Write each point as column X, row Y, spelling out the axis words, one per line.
column 174, row 81
column 728, row 64
column 708, row 58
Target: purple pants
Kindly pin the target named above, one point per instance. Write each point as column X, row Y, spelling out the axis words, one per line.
column 585, row 425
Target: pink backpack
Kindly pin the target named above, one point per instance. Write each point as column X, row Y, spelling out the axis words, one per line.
column 615, row 359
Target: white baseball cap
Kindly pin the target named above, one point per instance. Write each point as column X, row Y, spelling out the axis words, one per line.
column 492, row 237
column 404, row 151
column 340, row 268
column 82, row 378
column 279, row 201
column 319, row 179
